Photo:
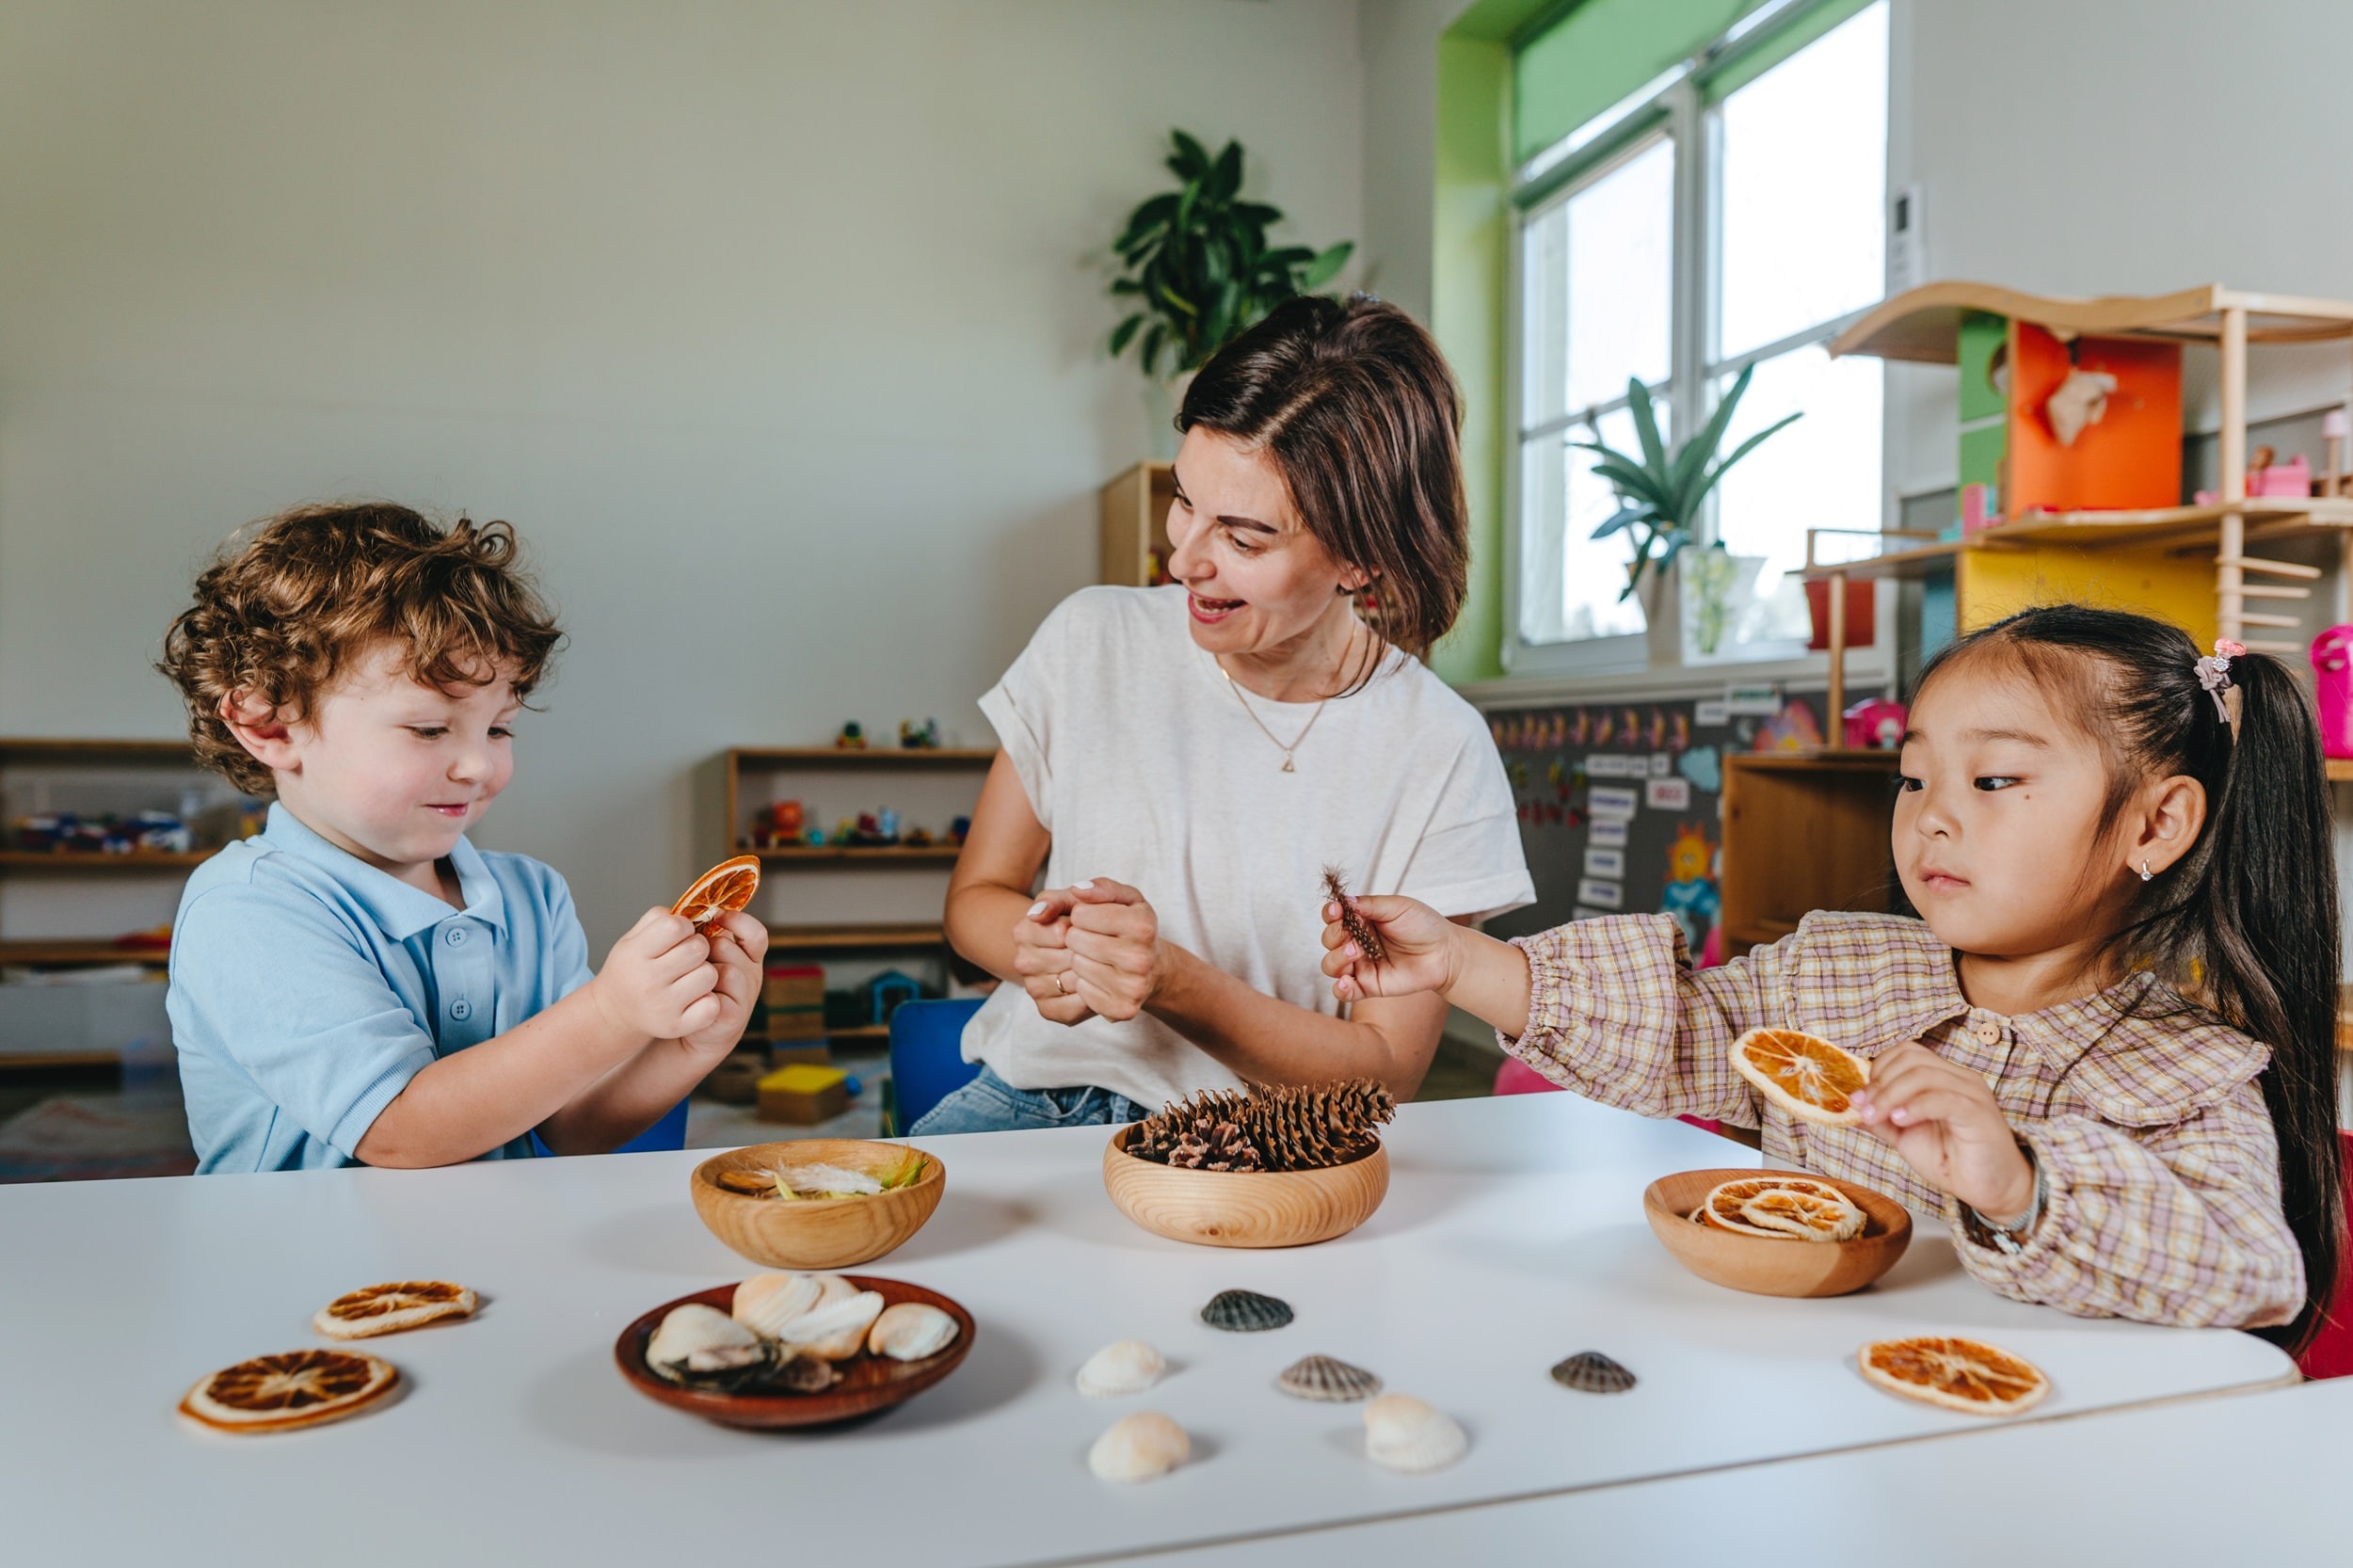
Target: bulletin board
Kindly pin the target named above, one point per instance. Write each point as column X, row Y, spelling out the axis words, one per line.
column 1620, row 804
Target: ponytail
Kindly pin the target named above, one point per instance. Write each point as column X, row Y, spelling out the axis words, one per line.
column 2245, row 923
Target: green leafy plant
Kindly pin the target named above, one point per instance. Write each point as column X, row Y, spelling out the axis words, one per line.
column 1660, row 494
column 1199, row 264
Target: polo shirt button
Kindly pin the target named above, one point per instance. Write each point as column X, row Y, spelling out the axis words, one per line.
column 457, row 936
column 461, row 1010
column 1989, row 1033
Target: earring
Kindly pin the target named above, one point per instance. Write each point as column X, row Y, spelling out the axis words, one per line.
column 2144, row 871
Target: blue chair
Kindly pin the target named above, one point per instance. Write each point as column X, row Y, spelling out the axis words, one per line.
column 927, row 1061
column 667, row 1134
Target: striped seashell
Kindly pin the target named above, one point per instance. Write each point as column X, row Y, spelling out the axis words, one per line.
column 1592, row 1372
column 1245, row 1312
column 1328, row 1381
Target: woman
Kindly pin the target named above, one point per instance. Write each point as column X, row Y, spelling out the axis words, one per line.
column 1183, row 762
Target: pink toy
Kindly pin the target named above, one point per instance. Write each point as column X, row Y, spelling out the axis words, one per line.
column 2332, row 668
column 2292, row 478
column 1876, row 725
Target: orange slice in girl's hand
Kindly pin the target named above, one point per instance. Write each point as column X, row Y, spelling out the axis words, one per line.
column 1804, row 1075
column 1957, row 1374
column 723, row 890
column 278, row 1393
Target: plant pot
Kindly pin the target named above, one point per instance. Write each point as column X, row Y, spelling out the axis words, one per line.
column 1660, row 594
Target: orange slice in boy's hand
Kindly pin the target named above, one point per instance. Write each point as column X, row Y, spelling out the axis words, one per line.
column 1804, row 1075
column 723, row 890
column 278, row 1393
column 389, row 1308
column 1957, row 1374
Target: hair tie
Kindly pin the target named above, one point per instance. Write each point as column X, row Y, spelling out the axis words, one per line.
column 2214, row 674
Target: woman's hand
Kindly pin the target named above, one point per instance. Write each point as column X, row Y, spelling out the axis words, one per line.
column 1945, row 1121
column 1117, row 960
column 1421, row 949
column 1042, row 960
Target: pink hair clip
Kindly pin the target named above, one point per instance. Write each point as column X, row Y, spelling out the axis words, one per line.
column 2214, row 674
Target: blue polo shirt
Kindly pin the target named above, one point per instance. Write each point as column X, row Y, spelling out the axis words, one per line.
column 307, row 988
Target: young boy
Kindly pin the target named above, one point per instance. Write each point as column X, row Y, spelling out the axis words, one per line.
column 358, row 984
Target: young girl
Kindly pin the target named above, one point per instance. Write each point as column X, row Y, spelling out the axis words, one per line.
column 2106, row 1053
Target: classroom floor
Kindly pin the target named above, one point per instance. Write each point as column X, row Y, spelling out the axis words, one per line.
column 86, row 1124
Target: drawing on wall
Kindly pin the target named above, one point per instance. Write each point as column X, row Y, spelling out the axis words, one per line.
column 1691, row 895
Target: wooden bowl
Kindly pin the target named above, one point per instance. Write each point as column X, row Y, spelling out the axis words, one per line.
column 1238, row 1209
column 869, row 1383
column 1766, row 1267
column 817, row 1233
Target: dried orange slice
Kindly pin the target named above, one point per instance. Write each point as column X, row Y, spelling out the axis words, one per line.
column 1804, row 1075
column 1726, row 1207
column 724, row 888
column 389, row 1308
column 278, row 1393
column 1808, row 1216
column 1956, row 1374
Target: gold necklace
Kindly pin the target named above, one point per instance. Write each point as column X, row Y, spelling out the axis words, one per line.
column 1235, row 686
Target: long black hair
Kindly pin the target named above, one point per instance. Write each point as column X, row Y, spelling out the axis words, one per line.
column 2244, row 925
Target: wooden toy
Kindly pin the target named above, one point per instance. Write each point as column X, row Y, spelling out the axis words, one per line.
column 804, row 1095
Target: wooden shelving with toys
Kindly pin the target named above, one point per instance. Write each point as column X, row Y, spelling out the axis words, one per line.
column 1802, row 831
column 1135, row 525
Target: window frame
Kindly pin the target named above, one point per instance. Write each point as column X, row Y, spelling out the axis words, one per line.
column 1679, row 108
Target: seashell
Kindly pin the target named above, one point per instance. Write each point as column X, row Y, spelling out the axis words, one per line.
column 766, row 1302
column 1403, row 1434
column 911, row 1330
column 690, row 1330
column 726, row 1369
column 1327, row 1380
column 1123, row 1367
column 835, row 1331
column 1593, row 1373
column 829, row 1178
column 1139, row 1446
column 804, row 1374
column 751, row 1184
column 1245, row 1312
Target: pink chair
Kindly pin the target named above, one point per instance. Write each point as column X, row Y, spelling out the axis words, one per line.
column 2330, row 1353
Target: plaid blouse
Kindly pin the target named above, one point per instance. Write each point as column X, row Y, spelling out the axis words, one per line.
column 2162, row 1167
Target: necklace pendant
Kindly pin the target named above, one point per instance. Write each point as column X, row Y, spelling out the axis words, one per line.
column 1287, row 763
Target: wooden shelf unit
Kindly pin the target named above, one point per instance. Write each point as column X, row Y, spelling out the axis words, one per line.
column 1135, row 525
column 74, row 861
column 851, row 938
column 903, row 854
column 1803, row 831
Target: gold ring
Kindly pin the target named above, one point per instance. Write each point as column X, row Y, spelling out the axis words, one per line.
column 1062, row 982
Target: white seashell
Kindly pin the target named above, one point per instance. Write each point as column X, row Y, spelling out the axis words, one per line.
column 1139, row 1446
column 765, row 1302
column 1123, row 1367
column 836, row 1330
column 829, row 1178
column 911, row 1330
column 1403, row 1434
column 691, row 1329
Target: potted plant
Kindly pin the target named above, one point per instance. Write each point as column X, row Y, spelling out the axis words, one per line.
column 1197, row 264
column 1659, row 497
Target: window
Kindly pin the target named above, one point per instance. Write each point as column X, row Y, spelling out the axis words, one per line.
column 1734, row 220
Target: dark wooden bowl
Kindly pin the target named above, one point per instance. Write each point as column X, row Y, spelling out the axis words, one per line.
column 869, row 1383
column 1762, row 1265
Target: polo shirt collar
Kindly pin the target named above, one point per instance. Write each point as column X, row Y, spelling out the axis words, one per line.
column 399, row 910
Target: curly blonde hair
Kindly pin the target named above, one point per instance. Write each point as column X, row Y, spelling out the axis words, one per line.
column 290, row 602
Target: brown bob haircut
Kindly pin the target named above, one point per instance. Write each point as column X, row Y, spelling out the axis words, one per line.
column 291, row 601
column 1356, row 405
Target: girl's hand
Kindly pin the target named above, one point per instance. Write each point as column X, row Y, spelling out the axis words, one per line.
column 1041, row 956
column 1945, row 1121
column 1117, row 960
column 658, row 979
column 1420, row 954
column 736, row 951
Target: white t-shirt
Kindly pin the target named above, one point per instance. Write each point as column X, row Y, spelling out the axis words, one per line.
column 1140, row 762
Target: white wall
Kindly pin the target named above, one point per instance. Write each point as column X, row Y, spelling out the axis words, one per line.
column 775, row 329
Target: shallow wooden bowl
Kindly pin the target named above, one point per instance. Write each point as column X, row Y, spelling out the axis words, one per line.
column 1234, row 1208
column 1762, row 1265
column 817, row 1233
column 869, row 1383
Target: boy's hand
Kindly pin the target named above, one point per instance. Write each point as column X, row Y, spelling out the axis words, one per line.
column 736, row 951
column 658, row 979
column 1423, row 951
column 1945, row 1121
column 1041, row 956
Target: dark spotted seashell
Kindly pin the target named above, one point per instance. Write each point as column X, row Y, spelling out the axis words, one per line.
column 1245, row 1312
column 1331, row 1382
column 1592, row 1372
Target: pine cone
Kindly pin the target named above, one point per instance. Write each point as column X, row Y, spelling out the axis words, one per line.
column 1273, row 1128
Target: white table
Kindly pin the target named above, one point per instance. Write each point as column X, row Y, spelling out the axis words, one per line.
column 1511, row 1236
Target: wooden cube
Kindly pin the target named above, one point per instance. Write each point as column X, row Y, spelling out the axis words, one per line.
column 801, row 1053
column 794, row 985
column 804, row 1095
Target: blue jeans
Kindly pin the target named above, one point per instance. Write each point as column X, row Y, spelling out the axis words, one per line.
column 989, row 1104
